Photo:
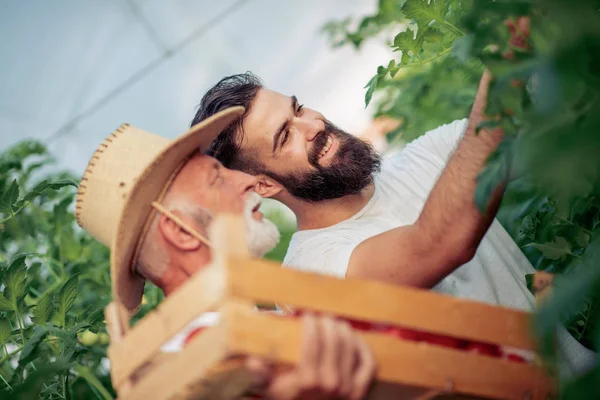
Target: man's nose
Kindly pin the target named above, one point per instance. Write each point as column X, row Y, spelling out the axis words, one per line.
column 310, row 128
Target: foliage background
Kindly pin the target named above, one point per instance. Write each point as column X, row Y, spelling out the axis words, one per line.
column 547, row 100
column 55, row 277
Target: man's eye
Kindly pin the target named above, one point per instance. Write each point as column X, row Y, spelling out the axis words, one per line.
column 300, row 107
column 285, row 138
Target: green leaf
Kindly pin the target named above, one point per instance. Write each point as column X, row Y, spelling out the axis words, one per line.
column 393, row 68
column 8, row 198
column 555, row 250
column 582, row 238
column 32, row 386
column 422, row 13
column 407, row 41
column 5, row 331
column 5, row 304
column 582, row 386
column 43, row 185
column 43, row 310
column 70, row 248
column 66, row 297
column 463, row 47
column 371, row 85
column 28, row 352
column 529, row 226
column 15, row 280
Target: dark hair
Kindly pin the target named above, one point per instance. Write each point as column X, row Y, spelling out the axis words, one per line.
column 234, row 90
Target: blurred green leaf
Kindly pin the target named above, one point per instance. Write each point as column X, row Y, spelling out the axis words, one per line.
column 43, row 310
column 43, row 185
column 5, row 304
column 553, row 250
column 66, row 297
column 8, row 198
column 5, row 331
column 32, row 386
column 571, row 290
column 15, row 280
column 28, row 352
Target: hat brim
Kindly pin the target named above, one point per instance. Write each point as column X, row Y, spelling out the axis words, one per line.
column 147, row 188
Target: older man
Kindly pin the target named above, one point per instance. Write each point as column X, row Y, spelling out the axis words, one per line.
column 151, row 200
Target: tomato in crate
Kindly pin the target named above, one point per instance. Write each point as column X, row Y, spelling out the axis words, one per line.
column 515, row 358
column 487, row 349
column 193, row 333
column 360, row 325
column 401, row 333
column 443, row 340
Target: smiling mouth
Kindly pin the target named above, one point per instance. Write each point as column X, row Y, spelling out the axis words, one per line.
column 327, row 146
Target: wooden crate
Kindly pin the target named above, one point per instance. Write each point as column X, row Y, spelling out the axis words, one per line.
column 211, row 365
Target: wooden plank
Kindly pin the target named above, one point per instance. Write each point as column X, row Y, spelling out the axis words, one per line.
column 201, row 293
column 412, row 364
column 266, row 281
column 229, row 237
column 117, row 324
column 188, row 372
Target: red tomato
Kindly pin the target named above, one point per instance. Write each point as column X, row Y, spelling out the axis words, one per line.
column 405, row 334
column 491, row 350
column 516, row 358
column 443, row 340
column 360, row 325
column 193, row 333
column 296, row 313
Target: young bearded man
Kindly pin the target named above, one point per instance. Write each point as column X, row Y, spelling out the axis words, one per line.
column 409, row 219
column 152, row 201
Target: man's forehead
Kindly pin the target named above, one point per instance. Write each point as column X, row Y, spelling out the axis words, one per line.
column 198, row 167
column 268, row 110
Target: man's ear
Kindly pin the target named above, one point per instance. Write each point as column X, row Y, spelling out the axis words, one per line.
column 176, row 236
column 267, row 187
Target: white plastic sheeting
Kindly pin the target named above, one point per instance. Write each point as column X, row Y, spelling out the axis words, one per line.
column 60, row 58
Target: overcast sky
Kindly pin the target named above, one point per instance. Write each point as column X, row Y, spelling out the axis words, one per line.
column 61, row 57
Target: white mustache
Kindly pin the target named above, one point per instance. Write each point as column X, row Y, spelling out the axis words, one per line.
column 252, row 200
column 263, row 235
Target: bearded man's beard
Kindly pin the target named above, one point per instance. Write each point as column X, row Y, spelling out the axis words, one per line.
column 352, row 169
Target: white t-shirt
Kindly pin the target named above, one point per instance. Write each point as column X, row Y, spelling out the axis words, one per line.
column 496, row 274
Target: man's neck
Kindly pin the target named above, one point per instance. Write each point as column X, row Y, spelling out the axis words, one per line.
column 326, row 213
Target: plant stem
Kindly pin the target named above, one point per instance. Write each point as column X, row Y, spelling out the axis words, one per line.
column 13, row 213
column 6, row 383
column 423, row 62
column 453, row 28
column 91, row 379
column 55, row 263
column 8, row 355
column 65, row 384
column 20, row 323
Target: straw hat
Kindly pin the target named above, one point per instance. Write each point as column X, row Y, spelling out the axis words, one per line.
column 128, row 171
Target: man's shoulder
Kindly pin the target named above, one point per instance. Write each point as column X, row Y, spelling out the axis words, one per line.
column 433, row 147
column 326, row 252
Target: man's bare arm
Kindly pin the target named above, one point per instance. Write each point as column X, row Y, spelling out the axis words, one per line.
column 450, row 227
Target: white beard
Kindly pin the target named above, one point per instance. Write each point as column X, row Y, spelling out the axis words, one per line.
column 263, row 235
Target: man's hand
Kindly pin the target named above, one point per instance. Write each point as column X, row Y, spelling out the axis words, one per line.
column 335, row 363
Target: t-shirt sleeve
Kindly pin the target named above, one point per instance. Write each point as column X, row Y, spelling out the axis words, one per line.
column 441, row 141
column 329, row 255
